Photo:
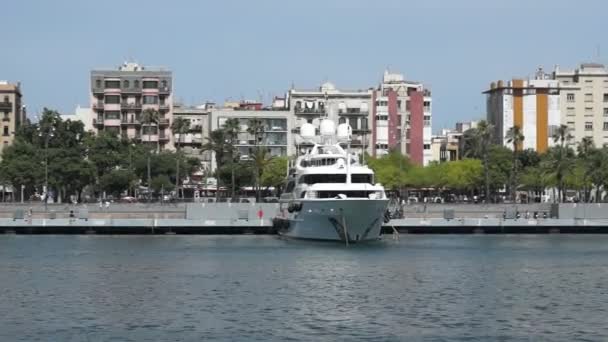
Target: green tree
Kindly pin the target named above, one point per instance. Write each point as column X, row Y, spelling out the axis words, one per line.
column 217, row 142
column 149, row 117
column 561, row 157
column 116, row 182
column 275, row 173
column 232, row 128
column 477, row 145
column 261, row 157
column 585, row 149
column 179, row 127
column 514, row 136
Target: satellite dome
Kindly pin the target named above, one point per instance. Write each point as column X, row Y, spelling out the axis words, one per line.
column 307, row 131
column 328, row 128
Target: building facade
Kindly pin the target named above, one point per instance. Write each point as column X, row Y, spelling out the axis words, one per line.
column 533, row 105
column 82, row 114
column 191, row 143
column 12, row 113
column 276, row 137
column 402, row 118
column 119, row 97
column 584, row 101
column 340, row 106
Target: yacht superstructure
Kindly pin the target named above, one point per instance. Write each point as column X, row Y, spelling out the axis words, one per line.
column 330, row 195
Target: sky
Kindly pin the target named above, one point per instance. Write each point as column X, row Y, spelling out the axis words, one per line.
column 248, row 49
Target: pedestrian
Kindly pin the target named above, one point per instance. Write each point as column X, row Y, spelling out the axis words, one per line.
column 107, row 205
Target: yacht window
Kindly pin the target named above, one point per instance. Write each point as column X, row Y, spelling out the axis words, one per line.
column 362, row 178
column 323, row 178
column 335, row 193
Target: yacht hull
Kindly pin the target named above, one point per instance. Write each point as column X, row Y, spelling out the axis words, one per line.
column 354, row 219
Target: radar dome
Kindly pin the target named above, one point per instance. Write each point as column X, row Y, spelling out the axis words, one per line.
column 307, row 131
column 344, row 132
column 328, row 128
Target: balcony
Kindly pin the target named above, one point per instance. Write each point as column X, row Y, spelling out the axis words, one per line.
column 163, row 137
column 310, row 111
column 98, row 105
column 163, row 106
column 353, row 112
column 134, row 106
column 125, row 121
column 163, row 122
column 164, row 90
column 6, row 119
column 6, row 105
column 98, row 122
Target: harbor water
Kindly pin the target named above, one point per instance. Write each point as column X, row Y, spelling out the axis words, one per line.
column 244, row 288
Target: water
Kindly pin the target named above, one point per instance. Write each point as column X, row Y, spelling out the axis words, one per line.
column 245, row 288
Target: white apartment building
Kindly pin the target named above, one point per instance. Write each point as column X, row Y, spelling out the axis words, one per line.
column 584, row 101
column 341, row 106
column 277, row 131
column 533, row 105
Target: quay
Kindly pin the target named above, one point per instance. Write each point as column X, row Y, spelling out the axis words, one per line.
column 246, row 218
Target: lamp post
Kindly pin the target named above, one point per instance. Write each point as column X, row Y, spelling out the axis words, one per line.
column 48, row 134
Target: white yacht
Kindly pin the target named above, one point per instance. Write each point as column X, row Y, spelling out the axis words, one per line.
column 329, row 194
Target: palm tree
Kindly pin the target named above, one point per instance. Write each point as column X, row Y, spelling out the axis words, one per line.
column 216, row 143
column 232, row 128
column 514, row 136
column 479, row 140
column 561, row 159
column 180, row 126
column 585, row 150
column 256, row 128
column 261, row 159
column 150, row 116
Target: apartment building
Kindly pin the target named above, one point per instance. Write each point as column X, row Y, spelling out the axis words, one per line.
column 191, row 143
column 82, row 114
column 12, row 112
column 119, row 97
column 532, row 104
column 402, row 118
column 276, row 137
column 340, row 106
column 584, row 101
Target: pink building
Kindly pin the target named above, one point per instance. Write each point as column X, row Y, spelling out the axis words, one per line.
column 402, row 118
column 119, row 97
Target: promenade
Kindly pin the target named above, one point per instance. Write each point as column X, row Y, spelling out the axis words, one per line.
column 249, row 218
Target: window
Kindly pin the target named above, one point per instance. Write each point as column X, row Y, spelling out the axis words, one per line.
column 150, row 84
column 605, row 83
column 112, row 84
column 605, row 97
column 125, row 84
column 588, row 97
column 588, row 111
column 136, row 84
column 112, row 99
column 570, row 125
column 588, row 84
column 570, row 111
column 427, row 146
column 6, row 99
column 605, row 126
column 381, row 117
column 150, row 99
column 399, row 104
column 164, row 83
column 605, row 111
column 570, row 97
column 97, row 83
column 427, row 121
column 588, row 126
column 112, row 115
column 5, row 132
column 427, row 106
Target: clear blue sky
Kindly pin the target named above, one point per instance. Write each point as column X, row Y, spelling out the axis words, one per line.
column 237, row 49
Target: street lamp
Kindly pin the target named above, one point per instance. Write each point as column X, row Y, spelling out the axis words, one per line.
column 47, row 134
